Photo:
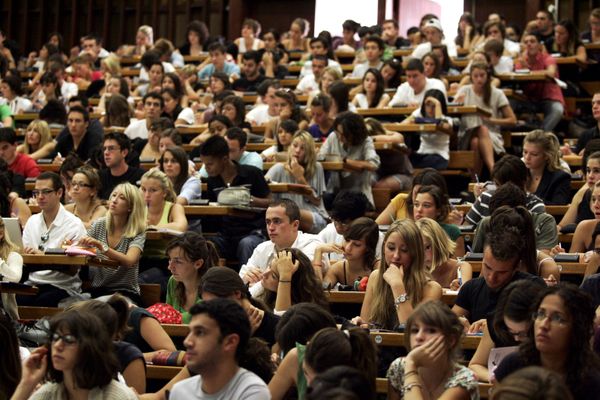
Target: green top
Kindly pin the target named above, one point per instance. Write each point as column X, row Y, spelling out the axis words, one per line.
column 452, row 230
column 5, row 112
column 301, row 383
column 172, row 300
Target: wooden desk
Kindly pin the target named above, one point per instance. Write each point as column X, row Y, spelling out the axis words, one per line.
column 574, row 160
column 195, row 59
column 327, row 165
column 220, row 210
column 18, row 288
column 567, row 268
column 401, row 111
column 351, row 297
column 533, row 76
column 67, row 261
column 402, row 52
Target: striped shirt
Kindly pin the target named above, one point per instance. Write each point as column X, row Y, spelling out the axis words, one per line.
column 481, row 207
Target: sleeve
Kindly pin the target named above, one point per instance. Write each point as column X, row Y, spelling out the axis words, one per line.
column 205, row 72
column 420, row 51
column 463, row 299
column 11, row 269
column 395, row 375
column 561, row 193
column 274, row 173
column 546, row 236
column 370, row 153
column 31, row 168
column 192, row 189
column 399, row 96
column 501, row 99
column 464, row 378
column 187, row 114
column 260, row 188
column 138, row 241
column 254, row 160
column 479, row 209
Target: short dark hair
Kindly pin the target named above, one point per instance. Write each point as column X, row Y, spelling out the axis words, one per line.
column 353, row 125
column 393, row 21
column 122, row 140
column 215, row 146
column 161, row 124
column 505, row 246
column 149, row 58
column 217, row 47
column 51, row 176
column 173, row 134
column 7, row 134
column 347, row 206
column 300, row 322
column 440, row 198
column 350, row 25
column 510, row 168
column 414, row 64
column 291, row 208
column 14, row 82
column 289, row 125
column 238, row 134
column 264, row 86
column 376, row 39
column 494, row 46
column 154, row 95
column 507, row 194
column 231, row 318
column 321, row 57
column 80, row 110
column 252, row 55
column 319, row 39
column 82, row 98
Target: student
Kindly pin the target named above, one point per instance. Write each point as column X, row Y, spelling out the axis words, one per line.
column 532, row 382
column 11, row 90
column 196, row 37
column 309, row 83
column 502, row 64
column 434, row 36
column 373, row 47
column 218, row 63
column 298, row 41
column 391, row 34
column 372, row 95
column 172, row 108
column 190, row 258
column 287, row 104
column 468, row 33
column 433, row 336
column 432, row 67
column 115, row 149
column 251, row 76
column 431, row 202
column 84, row 192
column 36, row 136
column 560, row 334
column 319, row 46
column 262, row 113
column 286, row 131
column 174, row 163
column 11, row 269
column 153, row 105
column 249, row 40
column 351, row 143
column 79, row 362
column 401, row 282
column 322, row 125
column 218, row 338
column 392, row 73
column 412, row 92
column 347, row 42
column 18, row 163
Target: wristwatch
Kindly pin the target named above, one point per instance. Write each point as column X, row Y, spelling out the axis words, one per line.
column 400, row 299
column 104, row 248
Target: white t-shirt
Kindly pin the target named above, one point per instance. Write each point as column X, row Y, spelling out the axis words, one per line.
column 137, row 129
column 505, row 65
column 307, row 67
column 187, row 114
column 259, row 115
column 307, row 84
column 425, row 48
column 405, row 94
column 244, row 385
column 360, row 69
column 434, row 143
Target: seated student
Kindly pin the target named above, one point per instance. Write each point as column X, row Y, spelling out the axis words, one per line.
column 18, row 163
column 249, row 40
column 86, row 204
column 310, row 83
column 439, row 256
column 291, row 279
column 223, row 325
column 303, row 168
column 173, row 81
column 547, row 180
column 342, row 380
column 172, row 108
column 80, row 361
column 278, row 152
column 119, row 236
column 432, row 67
column 373, row 47
column 37, row 136
column 298, row 40
column 153, row 105
column 434, row 36
column 159, row 196
column 346, row 42
column 12, row 205
column 218, row 63
column 116, row 147
column 236, row 141
column 585, row 233
column 11, row 90
column 351, row 143
column 148, row 149
column 322, row 122
column 401, row 282
column 251, row 76
column 561, row 333
column 412, row 92
column 432, row 326
column 234, row 108
column 11, row 269
column 507, row 327
column 359, row 251
column 190, row 258
column 50, row 229
column 287, row 104
column 502, row 64
column 372, row 94
column 508, row 169
column 500, row 266
column 152, row 72
column 238, row 236
column 392, row 73
column 174, row 163
column 532, row 382
column 264, row 111
column 319, row 46
column 282, row 220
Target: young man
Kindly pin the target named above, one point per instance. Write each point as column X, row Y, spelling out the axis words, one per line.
column 219, row 333
column 592, row 133
column 50, row 229
column 115, row 149
column 494, row 49
column 434, row 36
column 217, row 57
column 92, row 45
column 18, row 163
column 318, row 47
column 238, row 236
column 263, row 113
column 283, row 220
column 236, row 140
column 545, row 25
column 79, row 139
column 413, row 90
column 545, row 96
column 391, row 34
column 373, row 49
column 153, row 105
column 310, row 82
column 251, row 76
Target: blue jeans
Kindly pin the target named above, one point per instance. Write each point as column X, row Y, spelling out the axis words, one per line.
column 553, row 111
column 238, row 247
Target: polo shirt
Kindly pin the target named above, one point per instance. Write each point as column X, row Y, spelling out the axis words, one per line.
column 546, row 90
column 25, row 166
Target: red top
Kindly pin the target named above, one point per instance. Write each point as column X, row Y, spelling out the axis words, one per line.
column 547, row 90
column 25, row 166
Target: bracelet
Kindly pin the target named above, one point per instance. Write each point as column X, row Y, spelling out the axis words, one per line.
column 407, row 388
column 280, row 281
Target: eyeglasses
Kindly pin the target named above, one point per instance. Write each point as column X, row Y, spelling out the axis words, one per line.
column 110, row 148
column 45, row 192
column 69, row 340
column 555, row 319
column 518, row 336
column 81, row 184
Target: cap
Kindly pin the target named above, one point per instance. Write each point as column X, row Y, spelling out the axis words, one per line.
column 435, row 23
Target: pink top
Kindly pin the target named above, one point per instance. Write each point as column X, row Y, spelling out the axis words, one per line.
column 547, row 90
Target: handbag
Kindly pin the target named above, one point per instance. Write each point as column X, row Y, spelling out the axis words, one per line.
column 165, row 313
column 234, row 196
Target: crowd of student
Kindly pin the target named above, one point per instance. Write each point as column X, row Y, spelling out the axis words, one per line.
column 263, row 325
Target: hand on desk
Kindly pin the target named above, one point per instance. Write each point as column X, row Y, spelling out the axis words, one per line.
column 31, row 250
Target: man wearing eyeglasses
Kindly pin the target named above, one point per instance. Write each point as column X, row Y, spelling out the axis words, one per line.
column 115, row 149
column 50, row 229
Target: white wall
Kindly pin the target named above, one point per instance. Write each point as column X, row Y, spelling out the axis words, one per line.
column 330, row 14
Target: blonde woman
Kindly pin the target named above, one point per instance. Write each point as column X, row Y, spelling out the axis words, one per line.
column 160, row 198
column 36, row 136
column 111, row 66
column 84, row 193
column 11, row 268
column 119, row 236
column 302, row 168
column 329, row 75
column 547, row 180
column 401, row 283
column 439, row 249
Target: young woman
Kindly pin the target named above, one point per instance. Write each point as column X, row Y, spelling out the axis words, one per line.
column 119, row 236
column 353, row 145
column 173, row 110
column 159, row 197
column 291, row 279
column 585, row 233
column 173, row 81
column 78, row 362
column 114, row 85
column 532, row 382
column 482, row 134
column 11, row 269
column 298, row 32
column 432, row 67
column 217, row 125
column 234, row 108
column 303, row 168
column 36, row 137
column 359, row 249
column 506, row 327
column 566, row 41
column 190, row 257
column 401, row 282
column 392, row 73
column 432, row 202
column 118, row 112
column 431, row 369
column 174, row 163
column 373, row 95
column 340, row 99
column 11, row 205
column 286, row 103
column 249, row 39
column 439, row 256
column 278, row 152
column 593, row 35
column 84, row 192
column 547, row 180
column 11, row 89
column 322, row 123
column 468, row 36
column 196, row 36
column 434, row 149
column 149, row 149
column 559, row 340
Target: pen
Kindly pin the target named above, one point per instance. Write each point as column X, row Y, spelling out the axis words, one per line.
column 476, row 177
column 459, row 274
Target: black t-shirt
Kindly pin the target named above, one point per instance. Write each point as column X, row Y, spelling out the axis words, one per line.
column 585, row 137
column 92, row 139
column 266, row 330
column 583, row 209
column 108, row 181
column 245, row 85
column 255, row 180
column 126, row 354
column 134, row 335
column 479, row 300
